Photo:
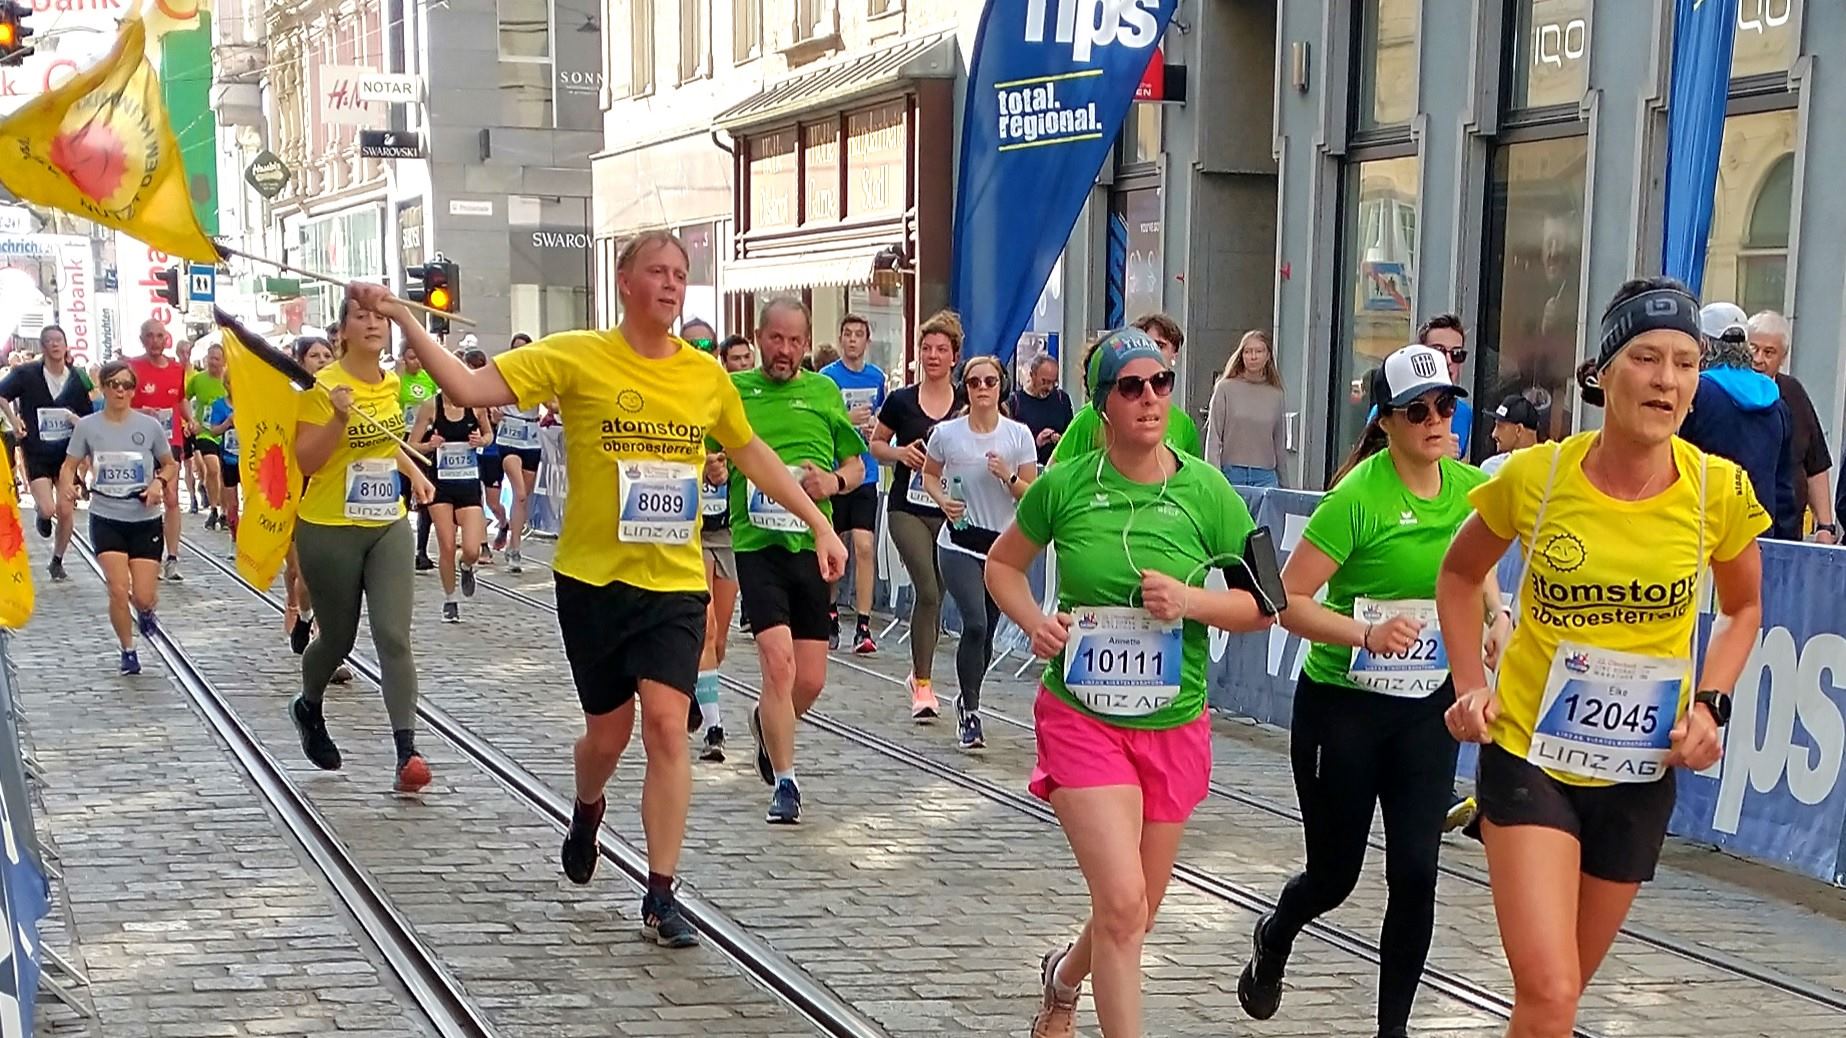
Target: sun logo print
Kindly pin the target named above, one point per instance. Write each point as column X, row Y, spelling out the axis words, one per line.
column 272, row 476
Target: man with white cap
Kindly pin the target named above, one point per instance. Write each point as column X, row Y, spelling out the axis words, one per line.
column 1739, row 414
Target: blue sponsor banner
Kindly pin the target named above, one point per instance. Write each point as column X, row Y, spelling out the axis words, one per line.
column 1702, row 34
column 1048, row 87
column 1777, row 795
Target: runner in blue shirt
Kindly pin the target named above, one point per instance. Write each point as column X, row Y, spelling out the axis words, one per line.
column 855, row 513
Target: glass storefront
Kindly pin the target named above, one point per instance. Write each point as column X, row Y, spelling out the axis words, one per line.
column 1768, row 37
column 1746, row 261
column 550, row 291
column 1528, row 342
column 882, row 306
column 1387, row 62
column 1379, row 254
column 347, row 245
column 1551, row 53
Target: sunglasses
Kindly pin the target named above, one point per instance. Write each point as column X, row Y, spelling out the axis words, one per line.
column 124, row 386
column 703, row 344
column 1459, row 355
column 1133, row 387
column 984, row 382
column 1418, row 412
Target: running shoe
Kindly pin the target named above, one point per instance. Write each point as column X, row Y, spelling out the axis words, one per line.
column 413, row 774
column 451, row 612
column 342, row 675
column 146, row 622
column 502, row 537
column 1056, row 1017
column 131, row 663
column 195, row 506
column 764, row 770
column 1259, row 988
column 425, row 564
column 1460, row 815
column 714, row 745
column 833, row 632
column 300, row 635
column 580, row 851
column 316, row 744
column 971, row 735
column 785, row 804
column 57, row 569
column 44, row 526
column 212, row 520
column 487, row 557
column 923, row 705
column 170, row 570
column 467, row 581
column 863, row 644
column 515, row 562
column 663, row 923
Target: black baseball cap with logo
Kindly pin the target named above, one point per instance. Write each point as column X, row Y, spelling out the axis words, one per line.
column 1517, row 410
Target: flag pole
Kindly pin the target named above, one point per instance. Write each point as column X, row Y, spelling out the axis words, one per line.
column 326, row 279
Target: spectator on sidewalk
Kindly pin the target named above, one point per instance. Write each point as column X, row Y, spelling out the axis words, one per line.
column 1246, row 426
column 1042, row 406
column 1515, row 426
column 1769, row 342
column 1739, row 414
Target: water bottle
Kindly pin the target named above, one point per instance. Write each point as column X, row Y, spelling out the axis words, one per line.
column 955, row 495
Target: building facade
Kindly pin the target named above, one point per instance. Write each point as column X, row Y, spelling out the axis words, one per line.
column 1508, row 165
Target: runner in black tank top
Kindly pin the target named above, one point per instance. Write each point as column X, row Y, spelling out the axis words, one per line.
column 452, row 437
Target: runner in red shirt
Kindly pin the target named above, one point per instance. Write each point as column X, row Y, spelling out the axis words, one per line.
column 160, row 388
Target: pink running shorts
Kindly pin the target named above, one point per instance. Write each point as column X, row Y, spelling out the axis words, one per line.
column 1172, row 766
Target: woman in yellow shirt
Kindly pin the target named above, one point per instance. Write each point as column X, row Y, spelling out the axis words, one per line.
column 352, row 539
column 1594, row 705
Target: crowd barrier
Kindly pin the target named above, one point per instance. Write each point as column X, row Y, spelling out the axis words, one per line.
column 1775, row 796
column 25, row 895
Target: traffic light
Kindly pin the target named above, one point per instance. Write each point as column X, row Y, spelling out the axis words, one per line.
column 168, row 292
column 14, row 31
column 437, row 285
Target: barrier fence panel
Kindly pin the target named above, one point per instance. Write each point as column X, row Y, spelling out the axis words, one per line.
column 24, row 893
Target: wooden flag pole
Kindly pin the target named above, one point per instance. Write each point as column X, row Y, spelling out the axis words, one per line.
column 325, row 279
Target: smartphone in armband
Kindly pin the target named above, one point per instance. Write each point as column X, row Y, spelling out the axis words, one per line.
column 1259, row 574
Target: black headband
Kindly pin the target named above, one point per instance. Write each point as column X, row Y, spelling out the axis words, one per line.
column 1658, row 308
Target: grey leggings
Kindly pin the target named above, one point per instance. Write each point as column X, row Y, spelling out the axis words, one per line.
column 340, row 563
column 965, row 577
column 915, row 538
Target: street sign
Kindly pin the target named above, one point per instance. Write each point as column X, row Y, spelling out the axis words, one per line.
column 390, row 144
column 391, row 87
column 202, row 283
column 268, row 174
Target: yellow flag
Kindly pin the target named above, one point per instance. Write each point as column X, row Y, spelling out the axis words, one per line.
column 264, row 407
column 16, row 596
column 100, row 147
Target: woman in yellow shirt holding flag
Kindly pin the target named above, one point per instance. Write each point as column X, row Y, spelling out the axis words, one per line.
column 352, row 538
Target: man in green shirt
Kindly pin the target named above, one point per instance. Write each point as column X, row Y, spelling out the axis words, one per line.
column 802, row 417
column 414, row 388
column 203, row 389
column 1085, row 432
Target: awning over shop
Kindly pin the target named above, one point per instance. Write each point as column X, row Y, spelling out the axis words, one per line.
column 835, row 83
column 786, row 273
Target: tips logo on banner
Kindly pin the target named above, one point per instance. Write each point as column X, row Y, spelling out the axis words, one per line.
column 1049, row 85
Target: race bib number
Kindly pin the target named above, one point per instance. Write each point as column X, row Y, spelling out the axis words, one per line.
column 457, row 462
column 121, row 473
column 714, row 501
column 1608, row 715
column 1121, row 662
column 229, row 441
column 518, row 433
column 768, row 514
column 856, row 398
column 55, row 424
column 1412, row 674
column 916, row 495
column 165, row 417
column 371, row 489
column 659, row 502
column 410, row 416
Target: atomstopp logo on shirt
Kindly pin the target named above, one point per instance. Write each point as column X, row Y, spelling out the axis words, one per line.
column 630, row 437
column 1573, row 604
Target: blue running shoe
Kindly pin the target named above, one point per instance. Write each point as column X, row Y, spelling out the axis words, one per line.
column 131, row 663
column 146, row 622
column 785, row 804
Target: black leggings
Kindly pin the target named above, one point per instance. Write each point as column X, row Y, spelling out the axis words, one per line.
column 1352, row 750
column 963, row 575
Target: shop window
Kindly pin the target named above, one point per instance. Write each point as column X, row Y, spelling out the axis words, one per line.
column 1143, row 134
column 1529, row 336
column 746, row 30
column 878, row 7
column 701, row 298
column 1378, row 254
column 1550, row 54
column 525, row 92
column 1768, row 37
column 525, row 30
column 814, row 19
column 692, row 32
column 641, row 46
column 1746, row 258
column 1387, row 49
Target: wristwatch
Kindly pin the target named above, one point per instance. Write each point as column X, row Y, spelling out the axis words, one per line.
column 1012, row 478
column 842, row 482
column 1832, row 528
column 1719, row 703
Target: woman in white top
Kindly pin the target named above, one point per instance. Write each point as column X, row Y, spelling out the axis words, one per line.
column 1246, row 432
column 516, row 430
column 978, row 467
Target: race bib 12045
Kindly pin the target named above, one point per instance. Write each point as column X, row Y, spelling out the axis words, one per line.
column 1121, row 661
column 1412, row 674
column 659, row 502
column 1608, row 715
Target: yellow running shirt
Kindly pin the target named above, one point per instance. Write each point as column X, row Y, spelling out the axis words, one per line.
column 1607, row 574
column 358, row 486
column 622, row 411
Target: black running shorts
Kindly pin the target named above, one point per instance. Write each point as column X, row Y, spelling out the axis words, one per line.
column 782, row 588
column 137, row 540
column 228, row 468
column 457, row 494
column 617, row 635
column 44, row 466
column 1620, row 828
column 206, row 448
column 856, row 509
